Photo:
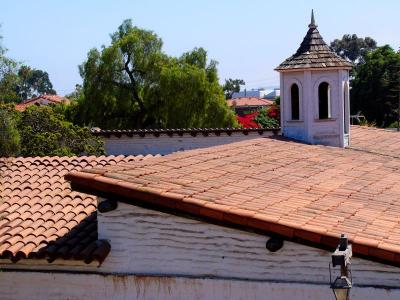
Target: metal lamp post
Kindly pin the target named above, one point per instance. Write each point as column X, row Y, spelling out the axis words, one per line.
column 341, row 257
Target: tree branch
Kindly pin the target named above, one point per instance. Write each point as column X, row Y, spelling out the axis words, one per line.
column 133, row 83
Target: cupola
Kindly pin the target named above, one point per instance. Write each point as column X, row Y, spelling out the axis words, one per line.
column 315, row 93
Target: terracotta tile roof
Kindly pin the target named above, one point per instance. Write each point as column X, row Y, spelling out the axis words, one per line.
column 314, row 53
column 180, row 132
column 380, row 141
column 248, row 101
column 36, row 100
column 305, row 193
column 20, row 107
column 51, row 98
column 40, row 217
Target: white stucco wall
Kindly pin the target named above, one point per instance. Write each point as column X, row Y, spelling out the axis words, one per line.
column 56, row 286
column 164, row 144
column 310, row 128
column 153, row 243
column 155, row 255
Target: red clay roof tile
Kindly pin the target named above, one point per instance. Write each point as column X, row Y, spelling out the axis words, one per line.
column 40, row 217
column 306, row 192
column 248, row 101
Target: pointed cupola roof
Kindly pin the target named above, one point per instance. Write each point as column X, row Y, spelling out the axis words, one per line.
column 313, row 53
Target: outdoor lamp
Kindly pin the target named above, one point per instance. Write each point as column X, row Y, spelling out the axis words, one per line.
column 341, row 257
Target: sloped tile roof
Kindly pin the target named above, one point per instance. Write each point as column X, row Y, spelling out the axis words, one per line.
column 37, row 100
column 379, row 141
column 303, row 192
column 40, row 217
column 248, row 101
column 313, row 53
column 51, row 98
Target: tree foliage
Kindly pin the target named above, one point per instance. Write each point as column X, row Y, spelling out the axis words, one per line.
column 232, row 86
column 189, row 94
column 9, row 135
column 376, row 85
column 133, row 84
column 264, row 118
column 268, row 117
column 8, row 76
column 41, row 131
column 353, row 48
column 18, row 83
column 32, row 82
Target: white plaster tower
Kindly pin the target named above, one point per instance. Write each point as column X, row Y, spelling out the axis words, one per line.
column 315, row 93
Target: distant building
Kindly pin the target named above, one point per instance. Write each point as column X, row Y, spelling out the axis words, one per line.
column 273, row 94
column 42, row 100
column 246, row 105
column 270, row 94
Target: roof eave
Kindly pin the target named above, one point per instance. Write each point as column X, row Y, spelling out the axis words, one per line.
column 280, row 70
column 95, row 184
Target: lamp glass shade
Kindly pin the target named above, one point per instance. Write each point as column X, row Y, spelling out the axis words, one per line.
column 341, row 288
column 341, row 294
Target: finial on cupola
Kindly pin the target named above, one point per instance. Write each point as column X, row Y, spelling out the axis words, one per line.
column 312, row 24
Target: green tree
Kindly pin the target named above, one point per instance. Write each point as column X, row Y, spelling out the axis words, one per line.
column 188, row 94
column 19, row 83
column 133, row 84
column 395, row 91
column 9, row 135
column 76, row 94
column 8, row 76
column 374, row 88
column 45, row 132
column 232, row 86
column 33, row 82
column 353, row 48
column 268, row 117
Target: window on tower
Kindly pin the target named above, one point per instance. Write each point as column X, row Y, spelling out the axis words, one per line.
column 295, row 101
column 324, row 97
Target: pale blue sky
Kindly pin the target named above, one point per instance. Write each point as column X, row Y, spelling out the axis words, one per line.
column 247, row 38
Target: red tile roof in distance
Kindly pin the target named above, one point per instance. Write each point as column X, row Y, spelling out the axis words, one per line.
column 20, row 107
column 40, row 217
column 248, row 101
column 302, row 192
column 51, row 98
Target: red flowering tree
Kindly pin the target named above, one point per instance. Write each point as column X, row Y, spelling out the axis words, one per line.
column 265, row 118
column 247, row 121
column 274, row 112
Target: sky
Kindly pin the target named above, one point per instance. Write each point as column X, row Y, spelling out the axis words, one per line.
column 248, row 38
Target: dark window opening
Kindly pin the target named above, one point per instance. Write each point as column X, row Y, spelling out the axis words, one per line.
column 295, row 102
column 324, row 101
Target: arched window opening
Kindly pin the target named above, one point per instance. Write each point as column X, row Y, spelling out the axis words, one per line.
column 295, row 102
column 324, row 98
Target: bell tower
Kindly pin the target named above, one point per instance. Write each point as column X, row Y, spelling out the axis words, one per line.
column 315, row 93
